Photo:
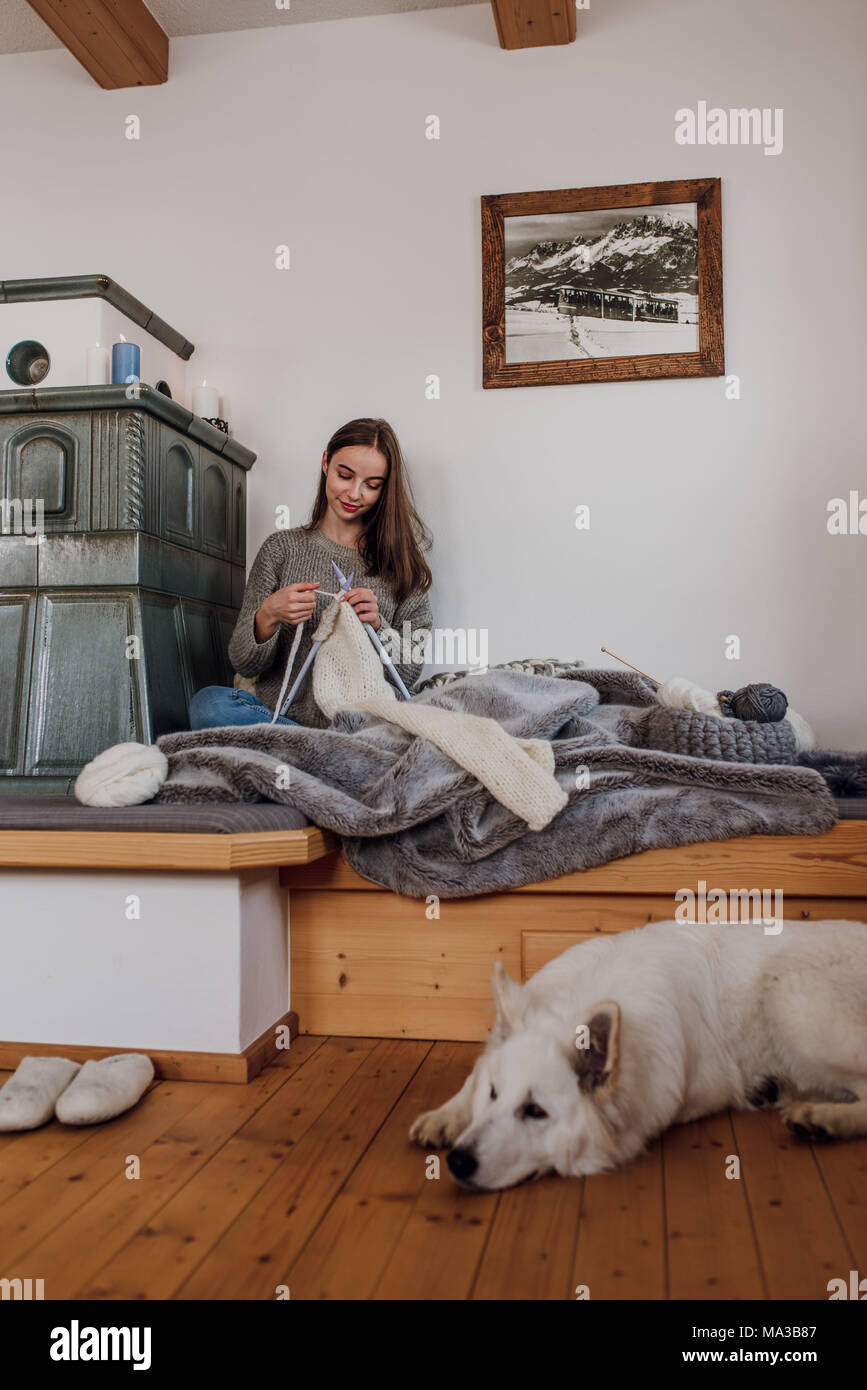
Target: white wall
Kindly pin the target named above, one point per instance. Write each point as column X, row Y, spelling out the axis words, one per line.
column 708, row 515
column 67, row 328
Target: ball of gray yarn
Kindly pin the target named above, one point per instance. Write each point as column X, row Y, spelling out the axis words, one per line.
column 764, row 703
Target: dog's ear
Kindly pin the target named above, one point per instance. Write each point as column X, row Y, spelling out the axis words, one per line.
column 597, row 1050
column 508, row 997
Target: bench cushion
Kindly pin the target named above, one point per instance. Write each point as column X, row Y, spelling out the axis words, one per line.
column 65, row 813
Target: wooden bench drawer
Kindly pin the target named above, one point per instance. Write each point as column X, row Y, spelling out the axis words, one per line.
column 538, row 947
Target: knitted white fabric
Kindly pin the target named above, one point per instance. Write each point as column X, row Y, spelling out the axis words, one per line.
column 518, row 772
column 347, row 667
column 348, row 673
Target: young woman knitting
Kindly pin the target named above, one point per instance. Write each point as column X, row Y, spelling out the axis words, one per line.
column 364, row 519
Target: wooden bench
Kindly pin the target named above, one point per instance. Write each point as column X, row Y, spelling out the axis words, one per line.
column 199, row 978
column 368, row 962
column 364, row 961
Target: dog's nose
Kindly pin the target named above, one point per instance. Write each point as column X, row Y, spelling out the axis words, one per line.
column 462, row 1164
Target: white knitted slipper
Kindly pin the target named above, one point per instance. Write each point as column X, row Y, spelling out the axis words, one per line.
column 104, row 1089
column 29, row 1097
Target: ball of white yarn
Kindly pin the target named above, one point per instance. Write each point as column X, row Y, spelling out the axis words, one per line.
column 680, row 693
column 805, row 739
column 124, row 775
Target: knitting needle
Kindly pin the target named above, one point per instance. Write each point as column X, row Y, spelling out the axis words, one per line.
column 346, row 584
column 631, row 667
column 379, row 647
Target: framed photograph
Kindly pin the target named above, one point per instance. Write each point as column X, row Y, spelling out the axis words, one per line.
column 620, row 283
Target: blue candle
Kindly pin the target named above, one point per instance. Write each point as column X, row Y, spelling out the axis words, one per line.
column 125, row 363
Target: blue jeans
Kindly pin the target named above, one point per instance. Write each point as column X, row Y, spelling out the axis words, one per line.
column 219, row 707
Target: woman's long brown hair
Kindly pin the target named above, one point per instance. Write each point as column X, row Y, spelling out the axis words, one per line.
column 394, row 536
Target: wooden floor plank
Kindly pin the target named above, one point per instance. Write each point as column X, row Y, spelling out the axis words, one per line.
column 621, row 1234
column 531, row 1246
column 254, row 1256
column 711, row 1243
column 156, row 1260
column 437, row 1253
column 52, row 1198
column 844, row 1172
column 392, row 1165
column 346, row 1253
column 73, row 1254
column 28, row 1153
column 350, row 1248
column 441, row 1245
column 799, row 1239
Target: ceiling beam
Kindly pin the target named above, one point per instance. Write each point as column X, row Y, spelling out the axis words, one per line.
column 118, row 41
column 534, row 23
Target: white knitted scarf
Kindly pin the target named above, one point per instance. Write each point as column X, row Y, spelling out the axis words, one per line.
column 348, row 673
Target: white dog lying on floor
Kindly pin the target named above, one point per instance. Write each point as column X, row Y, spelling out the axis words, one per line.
column 620, row 1037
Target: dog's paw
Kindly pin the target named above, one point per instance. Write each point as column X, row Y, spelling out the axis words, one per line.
column 801, row 1119
column 434, row 1130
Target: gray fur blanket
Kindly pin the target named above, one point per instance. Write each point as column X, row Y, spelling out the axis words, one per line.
column 414, row 821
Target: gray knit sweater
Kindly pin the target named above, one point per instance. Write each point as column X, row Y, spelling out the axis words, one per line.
column 296, row 557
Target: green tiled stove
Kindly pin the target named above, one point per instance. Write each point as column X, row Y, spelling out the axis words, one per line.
column 124, row 608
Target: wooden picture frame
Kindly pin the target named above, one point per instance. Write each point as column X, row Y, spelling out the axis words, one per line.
column 709, row 357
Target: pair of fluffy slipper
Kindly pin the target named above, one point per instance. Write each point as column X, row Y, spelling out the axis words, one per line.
column 76, row 1094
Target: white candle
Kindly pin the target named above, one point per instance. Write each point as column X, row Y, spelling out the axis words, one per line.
column 206, row 401
column 97, row 366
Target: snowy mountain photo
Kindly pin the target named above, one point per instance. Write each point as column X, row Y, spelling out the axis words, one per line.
column 615, row 282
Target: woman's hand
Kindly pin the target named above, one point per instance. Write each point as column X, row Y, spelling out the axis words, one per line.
column 365, row 605
column 294, row 604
